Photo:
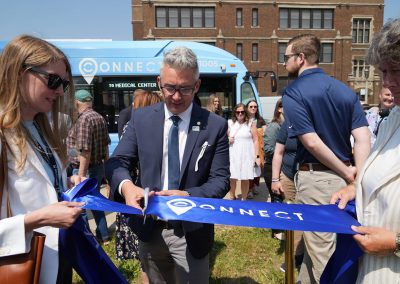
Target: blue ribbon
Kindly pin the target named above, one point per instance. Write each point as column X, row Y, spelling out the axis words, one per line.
column 80, row 247
column 319, row 218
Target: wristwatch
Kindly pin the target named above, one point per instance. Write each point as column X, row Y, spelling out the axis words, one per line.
column 397, row 251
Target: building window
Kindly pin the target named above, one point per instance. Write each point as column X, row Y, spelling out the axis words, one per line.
column 254, row 17
column 281, row 51
column 361, row 30
column 239, row 17
column 239, row 51
column 254, row 52
column 184, row 17
column 161, row 17
column 326, row 55
column 359, row 67
column 294, row 18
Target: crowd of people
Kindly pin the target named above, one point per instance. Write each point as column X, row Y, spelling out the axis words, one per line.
column 306, row 154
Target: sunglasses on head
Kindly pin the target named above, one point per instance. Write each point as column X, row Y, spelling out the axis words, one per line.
column 53, row 80
column 240, row 112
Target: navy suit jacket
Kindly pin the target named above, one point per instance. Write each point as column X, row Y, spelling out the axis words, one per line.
column 143, row 143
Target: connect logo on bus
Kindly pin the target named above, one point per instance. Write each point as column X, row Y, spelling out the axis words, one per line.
column 88, row 68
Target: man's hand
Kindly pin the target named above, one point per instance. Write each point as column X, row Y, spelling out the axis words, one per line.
column 133, row 194
column 277, row 188
column 173, row 192
column 345, row 195
column 374, row 240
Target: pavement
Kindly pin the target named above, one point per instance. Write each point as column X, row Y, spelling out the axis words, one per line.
column 110, row 216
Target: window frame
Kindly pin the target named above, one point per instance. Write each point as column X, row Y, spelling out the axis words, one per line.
column 363, row 32
column 254, row 17
column 205, row 18
column 286, row 20
column 239, row 17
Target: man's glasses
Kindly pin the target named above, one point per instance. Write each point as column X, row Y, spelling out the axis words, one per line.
column 240, row 112
column 252, row 106
column 53, row 80
column 286, row 57
column 171, row 90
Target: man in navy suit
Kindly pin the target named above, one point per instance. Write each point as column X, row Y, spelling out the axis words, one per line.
column 173, row 252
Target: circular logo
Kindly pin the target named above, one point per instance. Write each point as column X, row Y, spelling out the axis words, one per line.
column 180, row 205
column 88, row 67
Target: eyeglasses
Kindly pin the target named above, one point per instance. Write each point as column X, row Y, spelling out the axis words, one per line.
column 286, row 57
column 53, row 80
column 171, row 90
column 252, row 106
column 240, row 112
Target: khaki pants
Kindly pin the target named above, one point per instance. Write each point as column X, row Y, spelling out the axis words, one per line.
column 315, row 188
column 290, row 197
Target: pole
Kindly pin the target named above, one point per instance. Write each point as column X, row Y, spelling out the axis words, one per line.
column 366, row 90
column 289, row 257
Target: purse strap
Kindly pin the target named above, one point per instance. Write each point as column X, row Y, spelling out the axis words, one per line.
column 4, row 173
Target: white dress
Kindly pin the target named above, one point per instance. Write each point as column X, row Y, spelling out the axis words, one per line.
column 241, row 152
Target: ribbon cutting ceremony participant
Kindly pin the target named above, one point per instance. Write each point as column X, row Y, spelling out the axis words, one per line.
column 377, row 188
column 182, row 150
column 35, row 79
column 322, row 113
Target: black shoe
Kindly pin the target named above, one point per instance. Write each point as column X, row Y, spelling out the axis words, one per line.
column 298, row 260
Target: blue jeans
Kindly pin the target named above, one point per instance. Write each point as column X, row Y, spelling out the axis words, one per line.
column 97, row 172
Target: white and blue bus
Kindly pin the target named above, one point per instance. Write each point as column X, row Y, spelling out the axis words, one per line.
column 112, row 70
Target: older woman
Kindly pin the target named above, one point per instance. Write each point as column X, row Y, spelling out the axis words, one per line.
column 35, row 80
column 377, row 188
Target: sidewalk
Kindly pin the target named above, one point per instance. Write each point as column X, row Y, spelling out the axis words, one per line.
column 110, row 216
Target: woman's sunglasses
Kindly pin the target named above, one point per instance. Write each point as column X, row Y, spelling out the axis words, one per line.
column 240, row 112
column 53, row 80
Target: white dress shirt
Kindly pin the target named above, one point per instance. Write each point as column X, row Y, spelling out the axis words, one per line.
column 183, row 132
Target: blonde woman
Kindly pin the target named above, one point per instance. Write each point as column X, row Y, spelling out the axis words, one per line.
column 214, row 104
column 35, row 80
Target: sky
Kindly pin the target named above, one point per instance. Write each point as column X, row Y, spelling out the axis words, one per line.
column 89, row 19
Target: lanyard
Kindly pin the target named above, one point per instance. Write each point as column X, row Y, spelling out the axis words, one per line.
column 48, row 157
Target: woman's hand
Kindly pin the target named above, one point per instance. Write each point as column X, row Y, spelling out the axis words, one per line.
column 231, row 140
column 75, row 180
column 375, row 240
column 345, row 195
column 59, row 215
column 258, row 161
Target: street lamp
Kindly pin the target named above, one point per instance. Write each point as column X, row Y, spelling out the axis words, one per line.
column 366, row 75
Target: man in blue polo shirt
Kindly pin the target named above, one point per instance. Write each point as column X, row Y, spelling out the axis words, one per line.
column 322, row 113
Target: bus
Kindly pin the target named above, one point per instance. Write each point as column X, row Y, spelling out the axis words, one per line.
column 113, row 70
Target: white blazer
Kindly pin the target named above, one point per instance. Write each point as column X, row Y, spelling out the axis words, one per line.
column 380, row 206
column 28, row 191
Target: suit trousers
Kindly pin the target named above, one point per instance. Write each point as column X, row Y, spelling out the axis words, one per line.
column 316, row 188
column 166, row 259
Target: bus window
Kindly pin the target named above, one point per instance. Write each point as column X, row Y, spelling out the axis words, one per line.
column 247, row 93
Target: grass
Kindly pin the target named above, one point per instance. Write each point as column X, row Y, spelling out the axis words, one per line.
column 240, row 255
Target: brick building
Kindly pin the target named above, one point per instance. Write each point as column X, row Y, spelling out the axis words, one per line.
column 258, row 32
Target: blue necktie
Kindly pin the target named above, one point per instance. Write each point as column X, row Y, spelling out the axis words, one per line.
column 174, row 168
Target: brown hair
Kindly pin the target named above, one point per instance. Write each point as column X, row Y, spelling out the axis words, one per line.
column 22, row 52
column 145, row 98
column 309, row 45
column 278, row 117
column 246, row 116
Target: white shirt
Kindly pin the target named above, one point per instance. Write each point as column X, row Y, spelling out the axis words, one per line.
column 183, row 132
